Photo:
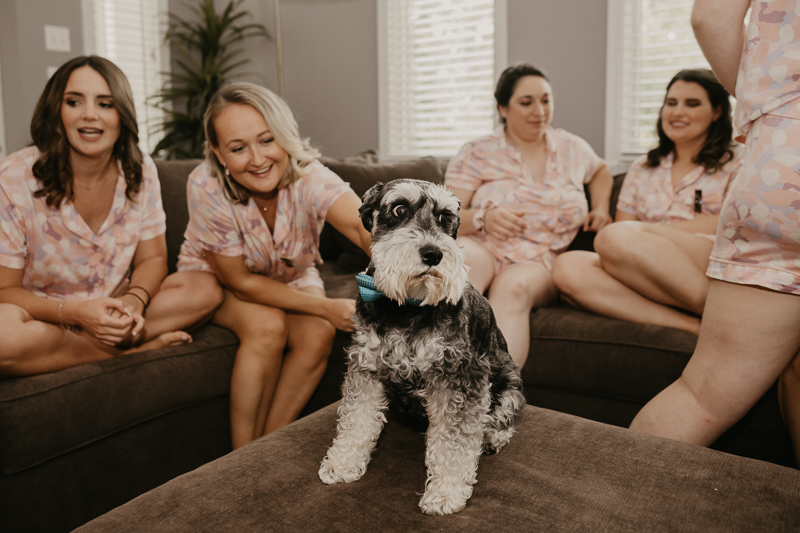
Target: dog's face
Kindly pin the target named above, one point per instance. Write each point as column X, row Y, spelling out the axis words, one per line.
column 414, row 226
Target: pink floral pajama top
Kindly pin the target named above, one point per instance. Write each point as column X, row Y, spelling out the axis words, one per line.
column 61, row 257
column 219, row 226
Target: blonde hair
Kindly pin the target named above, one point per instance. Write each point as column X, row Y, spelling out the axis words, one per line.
column 281, row 123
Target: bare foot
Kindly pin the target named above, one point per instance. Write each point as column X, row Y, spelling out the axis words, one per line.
column 172, row 338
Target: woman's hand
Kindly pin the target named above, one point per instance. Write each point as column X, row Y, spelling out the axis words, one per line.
column 597, row 219
column 339, row 312
column 503, row 224
column 106, row 319
column 136, row 308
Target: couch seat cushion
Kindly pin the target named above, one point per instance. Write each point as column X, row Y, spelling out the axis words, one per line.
column 606, row 369
column 558, row 473
column 51, row 414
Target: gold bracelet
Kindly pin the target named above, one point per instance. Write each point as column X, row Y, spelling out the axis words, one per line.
column 61, row 317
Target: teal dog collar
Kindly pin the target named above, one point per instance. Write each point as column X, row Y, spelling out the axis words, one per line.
column 370, row 293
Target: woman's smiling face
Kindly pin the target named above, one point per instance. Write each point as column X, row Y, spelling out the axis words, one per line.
column 687, row 113
column 530, row 109
column 90, row 120
column 248, row 150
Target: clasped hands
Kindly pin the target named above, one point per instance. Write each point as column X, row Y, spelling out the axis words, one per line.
column 109, row 320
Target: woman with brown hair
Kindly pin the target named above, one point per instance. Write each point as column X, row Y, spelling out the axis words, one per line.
column 650, row 265
column 82, row 247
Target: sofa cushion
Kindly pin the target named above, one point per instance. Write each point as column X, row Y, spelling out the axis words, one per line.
column 88, row 402
column 607, row 369
column 173, row 175
column 558, row 473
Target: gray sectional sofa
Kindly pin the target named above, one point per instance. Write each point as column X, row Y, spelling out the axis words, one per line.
column 77, row 443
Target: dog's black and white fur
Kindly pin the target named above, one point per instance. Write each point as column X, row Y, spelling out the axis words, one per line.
column 444, row 359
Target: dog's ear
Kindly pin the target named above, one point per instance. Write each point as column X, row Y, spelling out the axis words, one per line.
column 370, row 203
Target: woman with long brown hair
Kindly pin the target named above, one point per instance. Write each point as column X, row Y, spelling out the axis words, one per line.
column 82, row 246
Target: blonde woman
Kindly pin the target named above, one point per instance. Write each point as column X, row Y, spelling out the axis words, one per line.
column 257, row 206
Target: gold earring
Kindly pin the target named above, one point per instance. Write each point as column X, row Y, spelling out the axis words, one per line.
column 227, row 172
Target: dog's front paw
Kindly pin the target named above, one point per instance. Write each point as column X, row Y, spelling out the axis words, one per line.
column 444, row 499
column 333, row 471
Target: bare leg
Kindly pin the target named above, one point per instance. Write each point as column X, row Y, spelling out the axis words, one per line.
column 309, row 346
column 747, row 338
column 185, row 301
column 662, row 264
column 789, row 397
column 515, row 290
column 29, row 346
column 586, row 285
column 262, row 333
column 480, row 262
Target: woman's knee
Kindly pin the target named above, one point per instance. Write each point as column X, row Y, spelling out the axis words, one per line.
column 313, row 342
column 523, row 289
column 199, row 291
column 16, row 340
column 617, row 242
column 263, row 328
column 570, row 270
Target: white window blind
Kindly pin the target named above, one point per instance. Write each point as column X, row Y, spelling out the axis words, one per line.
column 437, row 68
column 649, row 42
column 128, row 34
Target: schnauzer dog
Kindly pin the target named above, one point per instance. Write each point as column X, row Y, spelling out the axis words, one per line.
column 426, row 342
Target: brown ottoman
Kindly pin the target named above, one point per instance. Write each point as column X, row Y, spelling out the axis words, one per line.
column 559, row 473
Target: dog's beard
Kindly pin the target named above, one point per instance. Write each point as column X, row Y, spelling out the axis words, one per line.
column 400, row 272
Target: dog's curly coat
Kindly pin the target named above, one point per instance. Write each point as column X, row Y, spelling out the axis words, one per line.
column 444, row 359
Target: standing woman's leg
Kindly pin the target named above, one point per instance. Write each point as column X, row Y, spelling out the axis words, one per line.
column 262, row 333
column 515, row 290
column 748, row 336
column 309, row 346
column 749, row 332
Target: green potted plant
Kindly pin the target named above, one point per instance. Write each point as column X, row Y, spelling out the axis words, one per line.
column 205, row 57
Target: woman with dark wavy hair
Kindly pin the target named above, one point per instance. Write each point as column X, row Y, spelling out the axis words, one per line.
column 82, row 247
column 650, row 264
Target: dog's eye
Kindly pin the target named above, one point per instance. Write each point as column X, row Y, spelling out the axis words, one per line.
column 400, row 210
column 443, row 217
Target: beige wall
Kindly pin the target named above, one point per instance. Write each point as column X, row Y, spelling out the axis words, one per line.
column 566, row 38
column 331, row 63
column 24, row 59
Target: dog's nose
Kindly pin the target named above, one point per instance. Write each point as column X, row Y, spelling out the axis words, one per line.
column 431, row 255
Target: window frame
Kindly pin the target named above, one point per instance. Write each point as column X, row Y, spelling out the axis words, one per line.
column 87, row 8
column 3, row 147
column 500, row 64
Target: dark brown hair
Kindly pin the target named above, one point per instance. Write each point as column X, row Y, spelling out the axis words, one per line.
column 508, row 82
column 53, row 168
column 717, row 150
